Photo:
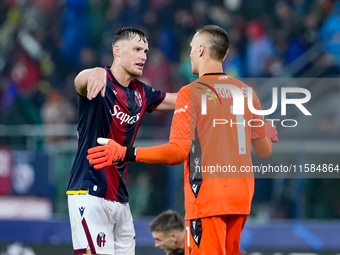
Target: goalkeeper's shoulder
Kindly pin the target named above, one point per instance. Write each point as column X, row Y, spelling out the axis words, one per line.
column 185, row 89
column 183, row 95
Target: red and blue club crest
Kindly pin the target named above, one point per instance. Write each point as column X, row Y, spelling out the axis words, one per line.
column 138, row 99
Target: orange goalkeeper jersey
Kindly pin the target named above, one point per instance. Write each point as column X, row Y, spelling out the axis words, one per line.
column 215, row 181
column 221, row 144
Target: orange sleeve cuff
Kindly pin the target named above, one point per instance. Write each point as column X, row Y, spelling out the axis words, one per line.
column 172, row 153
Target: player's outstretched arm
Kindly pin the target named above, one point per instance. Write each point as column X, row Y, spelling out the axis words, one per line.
column 173, row 153
column 109, row 152
column 169, row 102
column 90, row 82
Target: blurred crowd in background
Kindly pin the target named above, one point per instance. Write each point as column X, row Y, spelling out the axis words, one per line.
column 45, row 43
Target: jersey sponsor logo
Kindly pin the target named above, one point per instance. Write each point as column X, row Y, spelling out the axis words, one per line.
column 123, row 116
column 138, row 99
column 182, row 109
column 81, row 210
column 101, row 239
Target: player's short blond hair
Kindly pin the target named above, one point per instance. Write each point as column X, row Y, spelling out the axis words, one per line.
column 218, row 41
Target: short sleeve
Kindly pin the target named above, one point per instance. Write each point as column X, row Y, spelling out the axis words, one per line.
column 153, row 97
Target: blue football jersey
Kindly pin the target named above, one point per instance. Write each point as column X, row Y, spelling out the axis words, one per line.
column 117, row 116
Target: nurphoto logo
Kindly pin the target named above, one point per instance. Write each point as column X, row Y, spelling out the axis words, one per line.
column 238, row 96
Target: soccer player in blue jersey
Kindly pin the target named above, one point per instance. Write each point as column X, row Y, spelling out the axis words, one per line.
column 111, row 104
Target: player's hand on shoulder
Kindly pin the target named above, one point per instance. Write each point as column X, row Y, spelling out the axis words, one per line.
column 96, row 83
column 107, row 154
column 271, row 131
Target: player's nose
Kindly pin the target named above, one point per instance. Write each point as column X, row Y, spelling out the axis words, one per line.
column 142, row 55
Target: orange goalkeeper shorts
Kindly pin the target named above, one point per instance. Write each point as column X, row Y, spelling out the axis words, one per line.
column 217, row 235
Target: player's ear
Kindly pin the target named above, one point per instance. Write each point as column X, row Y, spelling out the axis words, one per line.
column 116, row 50
column 173, row 237
column 201, row 50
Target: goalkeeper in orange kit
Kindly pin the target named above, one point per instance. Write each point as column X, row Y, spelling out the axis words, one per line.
column 217, row 202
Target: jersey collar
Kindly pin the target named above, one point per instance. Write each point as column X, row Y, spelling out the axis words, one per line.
column 114, row 80
column 206, row 74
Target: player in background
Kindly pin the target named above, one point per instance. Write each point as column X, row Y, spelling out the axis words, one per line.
column 111, row 104
column 216, row 205
column 168, row 231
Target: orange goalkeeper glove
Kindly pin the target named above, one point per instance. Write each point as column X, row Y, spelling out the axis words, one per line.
column 271, row 131
column 109, row 153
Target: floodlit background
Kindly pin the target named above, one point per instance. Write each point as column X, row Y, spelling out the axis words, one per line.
column 45, row 43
